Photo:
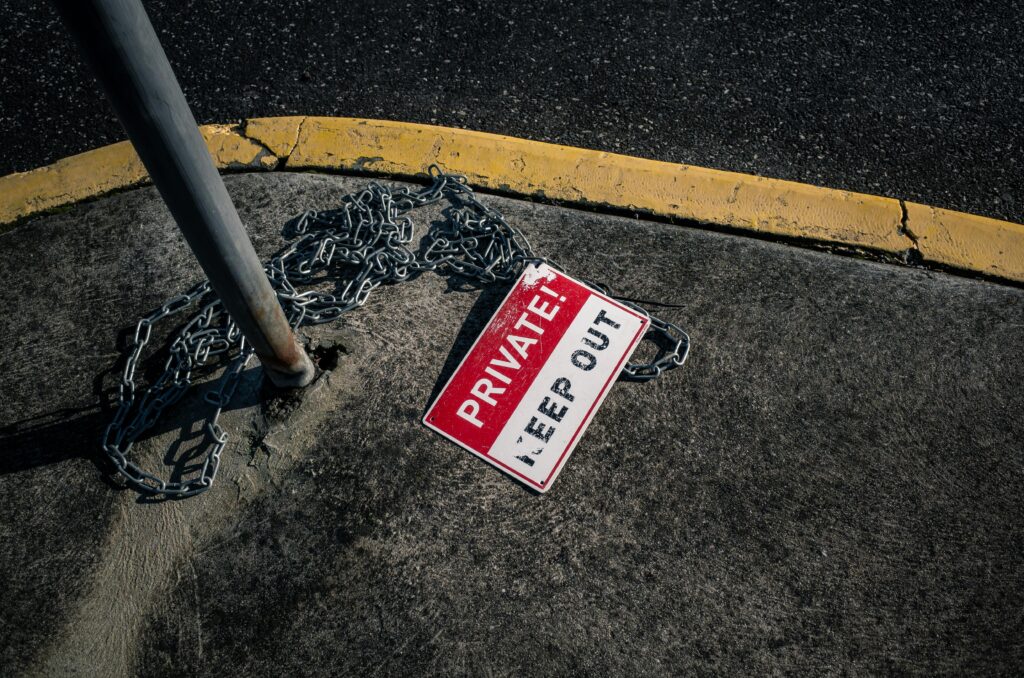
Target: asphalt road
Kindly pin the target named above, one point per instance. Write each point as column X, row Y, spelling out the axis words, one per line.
column 830, row 485
column 911, row 100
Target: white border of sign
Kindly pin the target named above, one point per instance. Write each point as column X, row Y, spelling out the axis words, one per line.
column 546, row 484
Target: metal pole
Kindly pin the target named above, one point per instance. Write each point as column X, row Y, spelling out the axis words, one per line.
column 119, row 43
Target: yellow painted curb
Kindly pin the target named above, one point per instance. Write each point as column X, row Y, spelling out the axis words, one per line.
column 578, row 175
column 967, row 241
column 547, row 171
column 111, row 168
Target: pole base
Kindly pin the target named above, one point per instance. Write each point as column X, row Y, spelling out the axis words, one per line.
column 298, row 374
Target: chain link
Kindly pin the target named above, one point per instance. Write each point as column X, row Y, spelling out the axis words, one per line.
column 350, row 251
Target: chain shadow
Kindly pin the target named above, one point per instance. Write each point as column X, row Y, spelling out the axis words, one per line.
column 58, row 435
column 74, row 432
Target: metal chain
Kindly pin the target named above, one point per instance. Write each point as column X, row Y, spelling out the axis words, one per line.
column 352, row 249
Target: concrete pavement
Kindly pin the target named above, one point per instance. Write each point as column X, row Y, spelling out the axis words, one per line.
column 830, row 484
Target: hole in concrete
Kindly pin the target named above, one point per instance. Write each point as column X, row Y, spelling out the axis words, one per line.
column 279, row 404
column 327, row 357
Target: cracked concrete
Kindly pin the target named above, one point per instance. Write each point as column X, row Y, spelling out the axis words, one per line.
column 830, row 485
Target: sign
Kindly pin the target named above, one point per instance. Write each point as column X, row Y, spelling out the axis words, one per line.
column 536, row 375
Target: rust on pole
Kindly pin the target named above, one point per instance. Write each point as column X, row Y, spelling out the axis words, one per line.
column 118, row 41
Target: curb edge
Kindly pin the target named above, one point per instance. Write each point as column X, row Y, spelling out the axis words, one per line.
column 897, row 229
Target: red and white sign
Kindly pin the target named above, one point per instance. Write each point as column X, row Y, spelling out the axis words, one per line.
column 536, row 375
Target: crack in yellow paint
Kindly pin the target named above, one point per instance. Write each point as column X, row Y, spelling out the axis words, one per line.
column 231, row 150
column 278, row 135
column 968, row 241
